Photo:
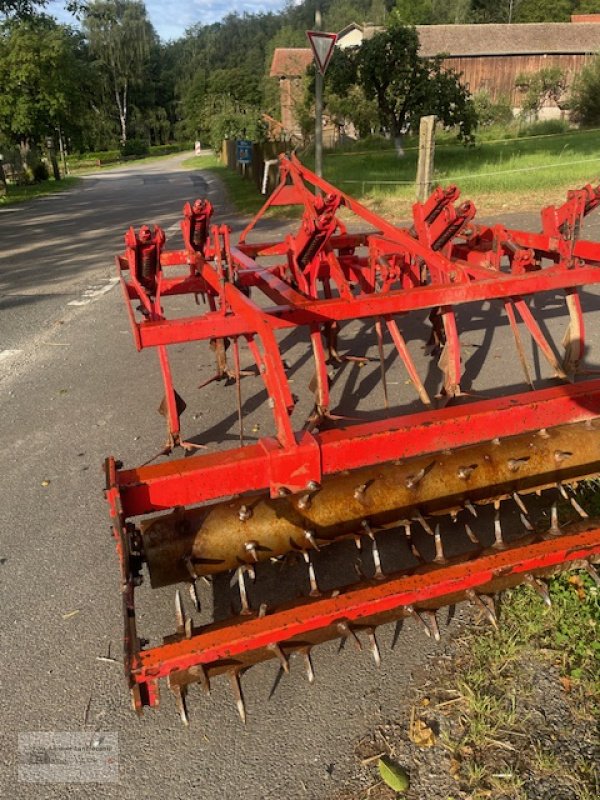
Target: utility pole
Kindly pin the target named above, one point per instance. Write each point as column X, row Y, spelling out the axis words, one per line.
column 318, row 106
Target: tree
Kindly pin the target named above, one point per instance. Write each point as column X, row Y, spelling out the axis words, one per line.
column 120, row 37
column 404, row 85
column 546, row 86
column 42, row 70
column 585, row 94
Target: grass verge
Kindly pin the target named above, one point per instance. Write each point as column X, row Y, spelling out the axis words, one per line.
column 19, row 194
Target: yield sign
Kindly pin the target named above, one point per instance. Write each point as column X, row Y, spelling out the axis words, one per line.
column 322, row 45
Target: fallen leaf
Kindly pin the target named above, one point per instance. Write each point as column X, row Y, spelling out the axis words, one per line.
column 567, row 683
column 425, row 702
column 393, row 775
column 421, row 734
column 45, row 482
column 70, row 614
column 255, row 428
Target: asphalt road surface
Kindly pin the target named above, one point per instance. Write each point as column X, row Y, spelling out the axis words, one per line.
column 72, row 391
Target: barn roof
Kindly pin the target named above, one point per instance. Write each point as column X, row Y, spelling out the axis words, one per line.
column 516, row 39
column 471, row 40
column 290, row 61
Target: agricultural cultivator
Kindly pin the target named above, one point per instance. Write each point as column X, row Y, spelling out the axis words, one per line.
column 354, row 517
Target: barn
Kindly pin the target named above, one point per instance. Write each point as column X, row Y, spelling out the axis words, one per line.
column 490, row 57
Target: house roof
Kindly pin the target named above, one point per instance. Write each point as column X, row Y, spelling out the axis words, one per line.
column 516, row 39
column 290, row 61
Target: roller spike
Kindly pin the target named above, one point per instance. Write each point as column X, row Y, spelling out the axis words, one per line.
column 236, row 687
column 262, row 610
column 241, row 579
column 470, row 534
column 359, row 492
column 471, row 508
column 346, row 631
column 592, row 572
column 314, row 587
column 179, row 613
column 526, row 522
column 424, row 524
column 485, row 604
column 538, row 586
column 251, row 549
column 313, row 486
column 189, row 628
column 373, row 646
column 554, row 526
column 310, row 673
column 305, row 502
column 582, row 513
column 283, row 660
column 498, row 540
column 440, row 558
column 245, row 513
column 412, row 612
column 414, row 480
column 310, row 538
column 195, row 597
column 432, row 622
column 198, row 671
column 179, row 695
column 519, row 501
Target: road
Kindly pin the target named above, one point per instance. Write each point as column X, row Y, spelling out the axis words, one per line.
column 72, row 391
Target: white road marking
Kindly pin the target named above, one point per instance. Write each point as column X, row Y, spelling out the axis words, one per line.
column 4, row 354
column 93, row 293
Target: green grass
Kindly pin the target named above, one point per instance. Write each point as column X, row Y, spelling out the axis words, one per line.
column 19, row 194
column 499, row 169
column 492, row 684
column 109, row 159
column 504, row 170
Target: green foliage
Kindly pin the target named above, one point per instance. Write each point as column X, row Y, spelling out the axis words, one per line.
column 231, row 124
column 432, row 12
column 355, row 107
column 120, row 37
column 393, row 775
column 40, row 172
column 405, row 86
column 585, row 94
column 492, row 113
column 547, row 86
column 41, row 72
column 135, row 147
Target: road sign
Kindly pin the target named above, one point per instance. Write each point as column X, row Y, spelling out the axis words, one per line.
column 322, row 45
column 244, row 151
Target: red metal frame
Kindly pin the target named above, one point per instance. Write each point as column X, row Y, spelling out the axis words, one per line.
column 323, row 276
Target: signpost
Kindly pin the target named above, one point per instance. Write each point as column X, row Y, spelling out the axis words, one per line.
column 244, row 152
column 322, row 45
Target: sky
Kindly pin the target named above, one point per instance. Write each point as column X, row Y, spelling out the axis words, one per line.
column 170, row 17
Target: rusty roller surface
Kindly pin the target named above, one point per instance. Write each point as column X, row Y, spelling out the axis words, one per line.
column 254, row 528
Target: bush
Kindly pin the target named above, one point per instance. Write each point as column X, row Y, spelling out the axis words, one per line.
column 490, row 112
column 40, row 172
column 545, row 127
column 135, row 147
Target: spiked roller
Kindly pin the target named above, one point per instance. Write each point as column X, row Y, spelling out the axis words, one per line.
column 417, row 507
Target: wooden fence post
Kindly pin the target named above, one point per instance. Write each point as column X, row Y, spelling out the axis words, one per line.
column 426, row 152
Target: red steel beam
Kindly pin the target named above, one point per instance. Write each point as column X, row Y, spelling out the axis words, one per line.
column 234, row 639
column 206, row 477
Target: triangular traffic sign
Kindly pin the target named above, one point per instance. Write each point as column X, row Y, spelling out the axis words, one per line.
column 322, row 45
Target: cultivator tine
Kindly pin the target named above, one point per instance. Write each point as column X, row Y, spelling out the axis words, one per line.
column 299, row 489
column 238, row 388
column 510, row 313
